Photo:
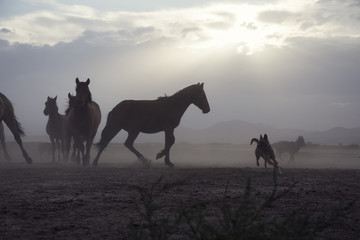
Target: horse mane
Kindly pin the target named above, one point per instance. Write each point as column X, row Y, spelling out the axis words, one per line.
column 178, row 93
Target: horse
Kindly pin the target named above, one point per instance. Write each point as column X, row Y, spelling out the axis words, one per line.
column 291, row 147
column 71, row 103
column 84, row 119
column 55, row 127
column 8, row 116
column 3, row 144
column 151, row 116
column 264, row 150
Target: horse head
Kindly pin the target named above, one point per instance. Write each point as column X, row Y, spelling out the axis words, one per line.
column 199, row 98
column 83, row 93
column 50, row 106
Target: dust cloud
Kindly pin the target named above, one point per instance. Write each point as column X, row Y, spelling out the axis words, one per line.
column 187, row 155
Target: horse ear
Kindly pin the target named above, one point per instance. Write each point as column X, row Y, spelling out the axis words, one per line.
column 77, row 81
column 55, row 97
column 88, row 81
column 202, row 85
column 265, row 137
column 261, row 136
column 48, row 98
column 69, row 95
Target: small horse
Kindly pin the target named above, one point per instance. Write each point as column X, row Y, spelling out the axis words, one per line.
column 55, row 127
column 264, row 150
column 3, row 144
column 290, row 147
column 151, row 116
column 84, row 119
column 8, row 116
column 71, row 104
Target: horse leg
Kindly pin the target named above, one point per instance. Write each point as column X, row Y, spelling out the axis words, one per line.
column 14, row 130
column 53, row 148
column 86, row 158
column 129, row 144
column 3, row 144
column 257, row 155
column 169, row 141
column 58, row 146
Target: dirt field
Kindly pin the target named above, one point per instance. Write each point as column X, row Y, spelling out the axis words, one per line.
column 64, row 201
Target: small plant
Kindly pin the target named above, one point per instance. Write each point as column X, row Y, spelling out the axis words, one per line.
column 246, row 220
column 154, row 225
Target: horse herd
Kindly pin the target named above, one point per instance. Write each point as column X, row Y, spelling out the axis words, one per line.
column 82, row 118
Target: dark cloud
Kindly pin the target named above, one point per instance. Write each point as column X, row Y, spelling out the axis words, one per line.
column 5, row 30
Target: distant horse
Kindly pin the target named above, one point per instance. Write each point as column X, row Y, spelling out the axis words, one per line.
column 264, row 150
column 3, row 144
column 290, row 147
column 151, row 116
column 8, row 116
column 71, row 104
column 84, row 119
column 55, row 127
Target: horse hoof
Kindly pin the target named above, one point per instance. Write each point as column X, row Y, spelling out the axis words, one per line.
column 29, row 160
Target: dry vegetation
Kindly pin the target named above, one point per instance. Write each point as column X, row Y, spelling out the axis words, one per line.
column 66, row 201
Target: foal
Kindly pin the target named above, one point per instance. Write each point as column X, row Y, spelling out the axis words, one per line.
column 55, row 127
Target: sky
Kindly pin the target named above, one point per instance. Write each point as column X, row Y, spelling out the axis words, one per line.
column 288, row 64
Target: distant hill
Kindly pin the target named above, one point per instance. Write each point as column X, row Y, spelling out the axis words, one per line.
column 241, row 132
column 238, row 131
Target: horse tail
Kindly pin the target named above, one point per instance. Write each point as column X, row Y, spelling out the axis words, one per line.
column 20, row 130
column 109, row 132
column 254, row 140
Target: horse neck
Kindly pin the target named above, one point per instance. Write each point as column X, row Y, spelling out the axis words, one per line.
column 54, row 115
column 181, row 101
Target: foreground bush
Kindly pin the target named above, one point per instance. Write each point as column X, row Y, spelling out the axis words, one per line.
column 246, row 220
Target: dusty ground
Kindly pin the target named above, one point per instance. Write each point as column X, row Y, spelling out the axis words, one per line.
column 65, row 201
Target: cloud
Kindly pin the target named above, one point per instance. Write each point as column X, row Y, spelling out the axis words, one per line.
column 5, row 30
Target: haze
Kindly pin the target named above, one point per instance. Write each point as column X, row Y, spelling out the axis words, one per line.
column 288, row 64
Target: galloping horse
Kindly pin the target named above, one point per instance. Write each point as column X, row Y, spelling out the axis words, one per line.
column 3, row 144
column 84, row 119
column 8, row 116
column 151, row 116
column 55, row 127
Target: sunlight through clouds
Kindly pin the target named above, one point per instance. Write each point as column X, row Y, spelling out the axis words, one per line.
column 214, row 25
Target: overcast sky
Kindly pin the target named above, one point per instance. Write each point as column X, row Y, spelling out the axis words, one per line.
column 289, row 64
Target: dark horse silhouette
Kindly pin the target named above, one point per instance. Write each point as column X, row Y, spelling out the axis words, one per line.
column 151, row 116
column 8, row 116
column 84, row 119
column 71, row 104
column 3, row 144
column 55, row 127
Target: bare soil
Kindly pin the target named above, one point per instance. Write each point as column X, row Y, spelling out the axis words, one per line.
column 64, row 201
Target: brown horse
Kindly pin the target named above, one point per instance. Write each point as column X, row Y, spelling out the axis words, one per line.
column 151, row 116
column 71, row 104
column 84, row 119
column 8, row 116
column 3, row 144
column 55, row 127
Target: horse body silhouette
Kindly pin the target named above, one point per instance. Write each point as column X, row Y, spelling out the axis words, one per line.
column 84, row 119
column 55, row 127
column 71, row 104
column 151, row 116
column 8, row 116
column 264, row 150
